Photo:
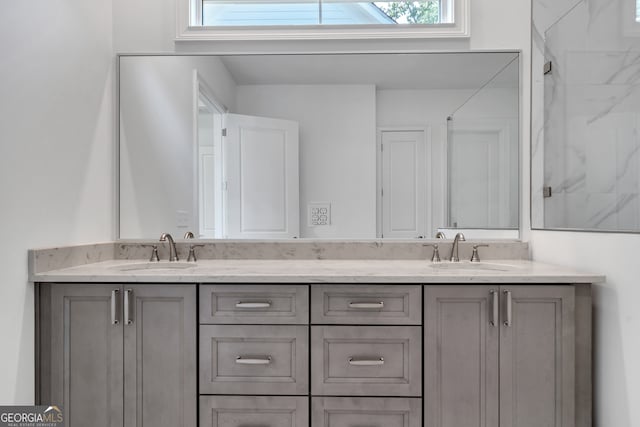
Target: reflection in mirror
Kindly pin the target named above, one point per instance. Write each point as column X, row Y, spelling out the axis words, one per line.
column 351, row 146
column 482, row 136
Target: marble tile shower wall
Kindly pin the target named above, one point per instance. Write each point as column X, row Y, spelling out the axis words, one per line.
column 586, row 115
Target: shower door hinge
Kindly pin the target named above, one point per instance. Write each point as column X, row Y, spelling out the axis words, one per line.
column 224, row 132
column 547, row 68
column 546, row 192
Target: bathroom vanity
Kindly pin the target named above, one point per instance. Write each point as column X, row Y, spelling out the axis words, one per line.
column 311, row 342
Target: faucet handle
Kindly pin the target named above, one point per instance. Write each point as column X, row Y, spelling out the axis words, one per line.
column 440, row 235
column 474, row 255
column 436, row 253
column 154, row 253
column 189, row 235
column 192, row 253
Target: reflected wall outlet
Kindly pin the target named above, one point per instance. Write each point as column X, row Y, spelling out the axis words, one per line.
column 318, row 213
column 182, row 219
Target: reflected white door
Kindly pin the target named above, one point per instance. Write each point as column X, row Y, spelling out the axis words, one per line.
column 261, row 176
column 404, row 184
column 478, row 178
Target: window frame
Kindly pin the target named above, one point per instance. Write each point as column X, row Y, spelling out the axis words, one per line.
column 190, row 11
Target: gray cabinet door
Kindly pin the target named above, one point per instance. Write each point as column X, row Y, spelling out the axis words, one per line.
column 537, row 369
column 366, row 304
column 254, row 304
column 461, row 356
column 254, row 411
column 366, row 360
column 160, row 376
column 366, row 411
column 254, row 359
column 84, row 350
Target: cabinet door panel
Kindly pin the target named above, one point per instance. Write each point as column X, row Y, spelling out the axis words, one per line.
column 86, row 355
column 460, row 357
column 247, row 411
column 366, row 411
column 366, row 360
column 160, row 357
column 537, row 378
column 366, row 304
column 254, row 304
column 254, row 359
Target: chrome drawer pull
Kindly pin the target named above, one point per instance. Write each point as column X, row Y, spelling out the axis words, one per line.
column 360, row 361
column 253, row 304
column 253, row 360
column 366, row 305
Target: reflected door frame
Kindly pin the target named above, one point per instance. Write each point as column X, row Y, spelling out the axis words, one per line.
column 428, row 180
column 208, row 173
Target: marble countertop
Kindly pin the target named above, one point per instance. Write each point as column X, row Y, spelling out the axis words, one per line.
column 317, row 271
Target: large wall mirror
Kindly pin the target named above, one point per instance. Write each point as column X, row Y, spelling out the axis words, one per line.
column 344, row 146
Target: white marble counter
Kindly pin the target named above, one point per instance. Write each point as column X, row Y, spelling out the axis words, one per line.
column 316, row 271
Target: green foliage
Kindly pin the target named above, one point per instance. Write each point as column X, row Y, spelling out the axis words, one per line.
column 412, row 12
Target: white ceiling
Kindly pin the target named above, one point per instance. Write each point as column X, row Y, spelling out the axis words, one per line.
column 386, row 71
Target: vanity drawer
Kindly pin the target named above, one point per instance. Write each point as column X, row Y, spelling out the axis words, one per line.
column 366, row 304
column 245, row 411
column 366, row 360
column 366, row 411
column 254, row 304
column 254, row 359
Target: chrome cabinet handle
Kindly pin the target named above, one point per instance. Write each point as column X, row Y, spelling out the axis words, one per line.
column 115, row 307
column 128, row 317
column 366, row 305
column 253, row 360
column 362, row 361
column 508, row 322
column 494, row 307
column 253, row 304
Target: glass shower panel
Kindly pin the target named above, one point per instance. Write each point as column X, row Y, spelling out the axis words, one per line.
column 591, row 122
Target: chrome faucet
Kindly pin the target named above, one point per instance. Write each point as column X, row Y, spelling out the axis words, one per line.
column 173, row 253
column 440, row 235
column 454, row 248
column 189, row 235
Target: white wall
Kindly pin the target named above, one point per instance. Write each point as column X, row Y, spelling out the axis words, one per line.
column 56, row 154
column 337, row 149
column 156, row 130
column 616, row 315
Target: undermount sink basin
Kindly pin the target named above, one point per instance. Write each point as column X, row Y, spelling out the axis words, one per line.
column 474, row 266
column 154, row 266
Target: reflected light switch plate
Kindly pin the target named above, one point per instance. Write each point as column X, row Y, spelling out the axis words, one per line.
column 182, row 219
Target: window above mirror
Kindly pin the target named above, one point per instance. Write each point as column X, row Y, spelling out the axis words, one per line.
column 320, row 19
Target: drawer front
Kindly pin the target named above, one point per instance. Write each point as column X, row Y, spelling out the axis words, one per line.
column 254, row 359
column 366, row 304
column 366, row 411
column 254, row 304
column 366, row 360
column 245, row 411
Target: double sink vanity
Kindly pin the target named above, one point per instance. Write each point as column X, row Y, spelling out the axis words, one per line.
column 296, row 334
